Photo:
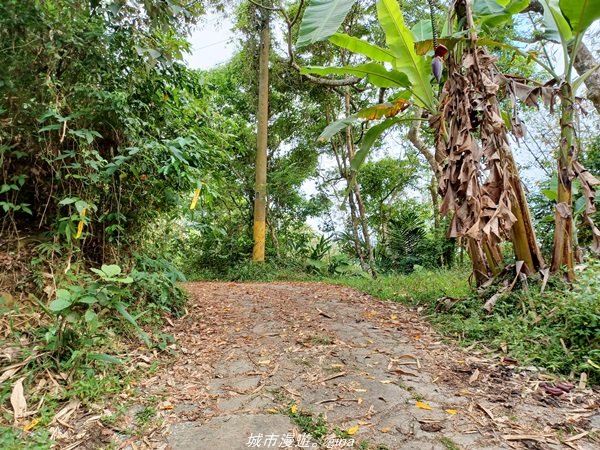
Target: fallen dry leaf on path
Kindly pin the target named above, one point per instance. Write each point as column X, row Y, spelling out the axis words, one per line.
column 17, row 400
column 474, row 377
column 353, row 430
column 432, row 427
column 423, row 405
column 67, row 411
column 526, row 437
column 31, row 425
column 277, row 319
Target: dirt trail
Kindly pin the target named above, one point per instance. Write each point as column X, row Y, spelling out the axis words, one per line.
column 253, row 358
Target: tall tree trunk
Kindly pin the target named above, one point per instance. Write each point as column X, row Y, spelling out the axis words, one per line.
column 435, row 204
column 562, row 254
column 273, row 234
column 340, row 158
column 260, row 198
column 353, row 184
column 365, row 229
column 355, row 222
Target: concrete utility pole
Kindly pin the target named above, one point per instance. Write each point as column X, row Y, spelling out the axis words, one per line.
column 260, row 190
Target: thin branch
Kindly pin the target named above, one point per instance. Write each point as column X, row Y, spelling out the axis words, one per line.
column 260, row 5
column 415, row 137
column 342, row 94
column 300, row 5
column 529, row 40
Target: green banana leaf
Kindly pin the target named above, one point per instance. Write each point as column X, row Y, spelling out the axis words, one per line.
column 422, row 30
column 362, row 47
column 492, row 13
column 335, row 127
column 400, row 41
column 580, row 14
column 375, row 73
column 556, row 26
column 321, row 19
column 371, row 137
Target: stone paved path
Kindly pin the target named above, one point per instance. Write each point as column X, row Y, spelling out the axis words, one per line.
column 299, row 365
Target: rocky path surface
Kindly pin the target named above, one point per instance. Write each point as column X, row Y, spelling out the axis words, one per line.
column 301, row 365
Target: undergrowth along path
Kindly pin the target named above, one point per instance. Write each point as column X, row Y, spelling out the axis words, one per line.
column 307, row 365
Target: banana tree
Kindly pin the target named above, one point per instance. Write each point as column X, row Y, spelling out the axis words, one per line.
column 565, row 23
column 484, row 212
column 407, row 69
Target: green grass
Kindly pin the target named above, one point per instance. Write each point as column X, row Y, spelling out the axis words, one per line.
column 98, row 382
column 420, row 287
column 308, row 423
column 145, row 417
column 13, row 439
column 449, row 443
column 558, row 330
column 255, row 272
column 321, row 340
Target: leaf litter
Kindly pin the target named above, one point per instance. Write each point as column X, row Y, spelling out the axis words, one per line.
column 248, row 350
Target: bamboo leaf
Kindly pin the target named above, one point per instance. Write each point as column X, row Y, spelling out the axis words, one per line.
column 400, row 41
column 321, row 19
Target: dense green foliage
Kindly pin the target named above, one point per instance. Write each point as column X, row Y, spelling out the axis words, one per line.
column 102, row 136
column 96, row 119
